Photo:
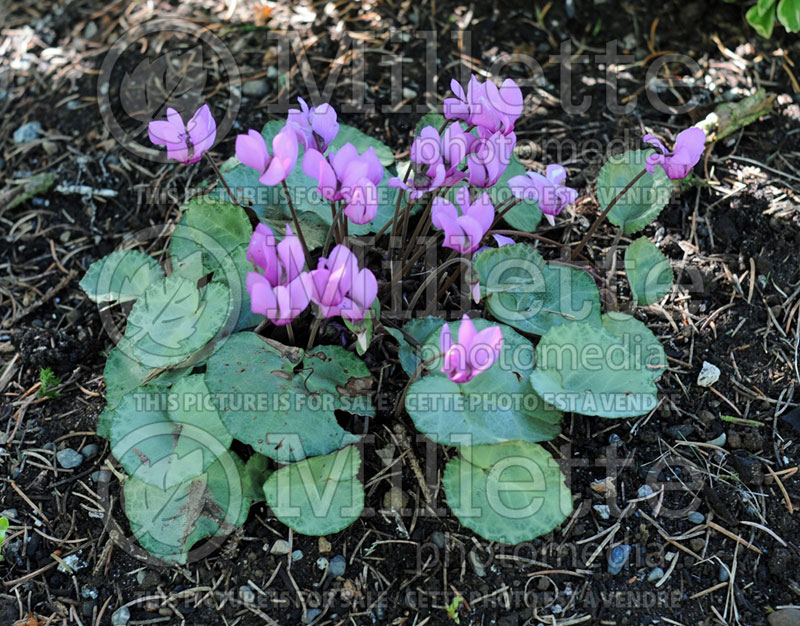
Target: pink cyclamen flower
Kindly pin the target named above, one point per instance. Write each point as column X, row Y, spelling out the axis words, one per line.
column 251, row 149
column 185, row 142
column 490, row 159
column 280, row 289
column 338, row 287
column 429, row 171
column 315, row 127
column 474, row 353
column 689, row 145
column 485, row 105
column 464, row 230
column 548, row 191
column 346, row 175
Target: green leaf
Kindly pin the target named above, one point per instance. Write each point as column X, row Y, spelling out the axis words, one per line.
column 527, row 214
column 642, row 203
column 192, row 404
column 789, row 15
column 607, row 370
column 120, row 277
column 159, row 451
column 122, row 374
column 762, row 17
column 429, row 119
column 648, row 270
column 173, row 320
column 497, row 405
column 420, row 329
column 3, row 528
column 363, row 328
column 509, row 492
column 282, row 401
column 256, row 472
column 319, row 496
column 531, row 295
column 169, row 522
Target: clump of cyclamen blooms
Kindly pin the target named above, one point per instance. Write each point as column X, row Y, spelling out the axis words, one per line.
column 689, row 146
column 184, row 142
column 473, row 353
column 340, row 288
column 548, row 191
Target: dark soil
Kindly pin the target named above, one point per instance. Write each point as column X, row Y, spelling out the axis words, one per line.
column 732, row 239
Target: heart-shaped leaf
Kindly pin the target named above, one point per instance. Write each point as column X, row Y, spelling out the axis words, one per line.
column 531, row 295
column 509, row 492
column 168, row 522
column 497, row 405
column 607, row 370
column 642, row 203
column 121, row 276
column 282, row 400
column 173, row 320
column 648, row 270
column 319, row 496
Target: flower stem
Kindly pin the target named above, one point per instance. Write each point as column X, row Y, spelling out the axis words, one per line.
column 314, row 329
column 336, row 216
column 221, row 178
column 505, row 210
column 296, row 223
column 593, row 229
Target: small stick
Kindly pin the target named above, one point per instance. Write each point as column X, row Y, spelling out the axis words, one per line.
column 296, row 223
column 221, row 179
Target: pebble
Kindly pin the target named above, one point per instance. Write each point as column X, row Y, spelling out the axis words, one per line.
column 68, row 458
column 408, row 93
column 255, row 88
column 28, row 132
column 655, row 575
column 297, row 555
column 337, row 566
column 10, row 514
column 90, row 30
column 280, row 547
column 696, row 517
column 749, row 470
column 323, row 545
column 311, row 615
column 247, row 595
column 617, row 559
column 724, row 574
column 322, row 563
column 615, row 440
column 90, row 451
column 709, row 374
column 101, row 476
column 645, row 491
column 603, row 510
column 784, row 617
column 272, row 72
column 476, row 563
column 438, row 539
column 697, row 544
column 121, row 616
column 719, row 441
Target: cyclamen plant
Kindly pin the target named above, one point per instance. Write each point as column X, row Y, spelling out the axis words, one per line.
column 209, row 330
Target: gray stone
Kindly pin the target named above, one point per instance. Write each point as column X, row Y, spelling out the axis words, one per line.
column 101, row 476
column 724, row 574
column 709, row 374
column 655, row 575
column 477, row 564
column 337, row 566
column 68, row 458
column 617, row 558
column 603, row 510
column 121, row 616
column 615, row 440
column 784, row 617
column 438, row 539
column 90, row 30
column 256, row 88
column 645, row 491
column 297, row 555
column 695, row 517
column 90, row 451
column 322, row 563
column 311, row 615
column 247, row 595
column 28, row 132
column 280, row 547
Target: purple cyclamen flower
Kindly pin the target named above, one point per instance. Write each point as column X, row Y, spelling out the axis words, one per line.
column 185, row 143
column 251, row 149
column 429, row 171
column 464, row 230
column 280, row 289
column 548, row 191
column 689, row 145
column 490, row 159
column 474, row 353
column 345, row 175
column 315, row 127
column 338, row 287
column 485, row 105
